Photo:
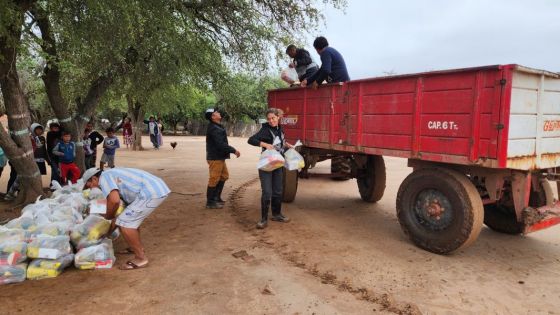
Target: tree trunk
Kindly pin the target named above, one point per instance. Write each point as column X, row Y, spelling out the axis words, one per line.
column 17, row 146
column 136, row 114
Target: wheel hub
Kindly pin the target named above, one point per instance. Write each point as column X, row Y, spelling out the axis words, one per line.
column 433, row 209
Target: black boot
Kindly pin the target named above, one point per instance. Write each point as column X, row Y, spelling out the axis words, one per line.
column 264, row 214
column 277, row 210
column 211, row 199
column 219, row 189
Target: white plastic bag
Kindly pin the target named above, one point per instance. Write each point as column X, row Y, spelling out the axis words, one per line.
column 289, row 75
column 99, row 256
column 90, row 231
column 48, row 268
column 270, row 160
column 49, row 247
column 12, row 273
column 294, row 160
column 12, row 252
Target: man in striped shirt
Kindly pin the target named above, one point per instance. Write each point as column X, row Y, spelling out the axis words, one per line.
column 141, row 192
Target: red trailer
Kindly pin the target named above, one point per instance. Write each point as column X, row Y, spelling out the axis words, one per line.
column 483, row 144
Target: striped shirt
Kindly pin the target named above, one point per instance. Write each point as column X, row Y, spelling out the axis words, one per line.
column 132, row 184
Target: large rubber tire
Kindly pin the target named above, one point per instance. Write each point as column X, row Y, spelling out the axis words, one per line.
column 372, row 179
column 341, row 164
column 460, row 221
column 290, row 185
column 502, row 218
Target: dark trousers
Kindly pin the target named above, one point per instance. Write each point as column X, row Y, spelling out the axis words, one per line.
column 55, row 171
column 13, row 176
column 89, row 161
column 271, row 185
column 154, row 140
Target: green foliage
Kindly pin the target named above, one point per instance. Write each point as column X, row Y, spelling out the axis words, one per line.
column 244, row 96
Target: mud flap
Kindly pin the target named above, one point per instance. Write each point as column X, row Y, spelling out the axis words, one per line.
column 535, row 219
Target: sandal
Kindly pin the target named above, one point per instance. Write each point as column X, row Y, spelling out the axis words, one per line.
column 131, row 266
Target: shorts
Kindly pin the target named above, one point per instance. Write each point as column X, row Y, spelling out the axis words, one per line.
column 137, row 211
column 108, row 159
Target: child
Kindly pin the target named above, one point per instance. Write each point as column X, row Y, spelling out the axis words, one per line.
column 39, row 145
column 110, row 145
column 53, row 137
column 66, row 152
column 127, row 132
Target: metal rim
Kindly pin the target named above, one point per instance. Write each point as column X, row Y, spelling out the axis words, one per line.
column 433, row 210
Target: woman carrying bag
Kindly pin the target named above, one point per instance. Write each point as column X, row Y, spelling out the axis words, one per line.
column 271, row 137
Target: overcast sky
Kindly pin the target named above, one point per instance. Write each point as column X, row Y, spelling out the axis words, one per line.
column 407, row 36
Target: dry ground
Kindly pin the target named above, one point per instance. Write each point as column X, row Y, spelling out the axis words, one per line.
column 337, row 256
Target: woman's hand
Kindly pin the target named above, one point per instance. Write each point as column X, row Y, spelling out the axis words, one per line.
column 267, row 146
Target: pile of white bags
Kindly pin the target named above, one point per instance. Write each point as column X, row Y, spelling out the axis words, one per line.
column 41, row 242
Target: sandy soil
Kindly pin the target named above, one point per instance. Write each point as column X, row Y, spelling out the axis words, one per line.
column 337, row 256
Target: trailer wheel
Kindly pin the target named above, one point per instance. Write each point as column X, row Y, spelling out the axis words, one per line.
column 290, row 185
column 371, row 180
column 501, row 216
column 440, row 210
column 341, row 166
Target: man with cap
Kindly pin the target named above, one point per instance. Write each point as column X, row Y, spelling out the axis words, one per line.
column 141, row 192
column 217, row 151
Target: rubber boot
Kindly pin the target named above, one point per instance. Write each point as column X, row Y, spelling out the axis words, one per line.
column 219, row 189
column 211, row 198
column 264, row 214
column 277, row 210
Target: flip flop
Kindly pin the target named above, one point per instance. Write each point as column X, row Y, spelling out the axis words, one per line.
column 131, row 266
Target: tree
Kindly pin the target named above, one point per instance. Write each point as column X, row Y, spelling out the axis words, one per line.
column 89, row 46
column 16, row 144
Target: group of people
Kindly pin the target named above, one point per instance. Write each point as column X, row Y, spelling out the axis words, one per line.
column 332, row 70
column 59, row 152
column 270, row 136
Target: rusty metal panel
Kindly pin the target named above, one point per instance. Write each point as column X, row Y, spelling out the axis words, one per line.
column 534, row 121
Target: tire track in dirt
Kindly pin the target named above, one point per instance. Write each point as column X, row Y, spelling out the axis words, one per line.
column 240, row 212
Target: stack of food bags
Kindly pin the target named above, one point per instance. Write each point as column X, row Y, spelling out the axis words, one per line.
column 270, row 160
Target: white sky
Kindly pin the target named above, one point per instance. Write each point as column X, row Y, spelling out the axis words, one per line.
column 403, row 36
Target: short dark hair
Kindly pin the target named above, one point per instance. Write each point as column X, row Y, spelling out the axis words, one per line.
column 54, row 124
column 290, row 47
column 110, row 129
column 320, row 43
column 64, row 133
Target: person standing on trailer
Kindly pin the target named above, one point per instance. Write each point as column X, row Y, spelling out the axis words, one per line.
column 333, row 68
column 271, row 137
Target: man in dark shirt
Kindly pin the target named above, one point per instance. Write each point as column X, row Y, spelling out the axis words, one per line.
column 333, row 67
column 302, row 62
column 217, row 151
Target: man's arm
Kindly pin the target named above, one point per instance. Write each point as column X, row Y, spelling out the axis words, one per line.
column 113, row 202
column 98, row 138
column 222, row 145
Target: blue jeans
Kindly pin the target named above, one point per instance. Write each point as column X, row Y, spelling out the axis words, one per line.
column 154, row 140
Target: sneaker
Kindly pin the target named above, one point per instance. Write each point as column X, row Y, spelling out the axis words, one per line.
column 262, row 224
column 9, row 197
column 280, row 218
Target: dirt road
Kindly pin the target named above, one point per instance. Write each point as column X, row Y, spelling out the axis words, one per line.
column 337, row 256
